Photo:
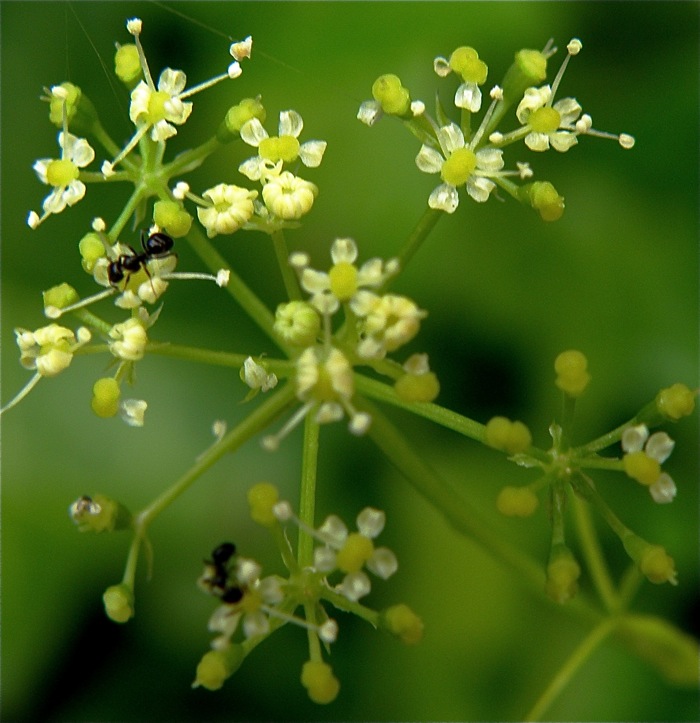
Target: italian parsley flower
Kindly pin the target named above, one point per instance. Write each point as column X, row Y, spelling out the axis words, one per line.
column 548, row 124
column 644, row 455
column 465, row 62
column 230, row 207
column 459, row 165
column 128, row 340
column 288, row 197
column 63, row 175
column 351, row 552
column 273, row 151
column 344, row 282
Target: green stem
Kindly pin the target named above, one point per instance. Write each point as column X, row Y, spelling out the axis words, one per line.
column 595, row 561
column 570, row 667
column 307, row 494
column 291, row 283
column 190, row 159
column 258, row 420
column 424, row 226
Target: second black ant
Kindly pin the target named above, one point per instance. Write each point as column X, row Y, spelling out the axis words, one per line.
column 155, row 246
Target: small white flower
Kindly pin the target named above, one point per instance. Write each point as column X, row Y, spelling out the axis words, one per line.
column 158, row 109
column 459, row 165
column 133, row 411
column 62, row 174
column 231, row 208
column 242, row 49
column 658, row 447
column 256, row 376
column 548, row 124
column 288, row 197
column 388, row 322
column 129, row 340
column 276, row 150
column 49, row 350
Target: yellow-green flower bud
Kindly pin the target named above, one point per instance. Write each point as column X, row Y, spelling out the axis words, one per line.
column 653, row 561
column 262, row 497
column 318, row 679
column 509, row 437
column 119, row 603
column 217, row 666
column 562, row 575
column 80, row 112
column 394, row 98
column 572, row 375
column 641, row 467
column 401, row 621
column 239, row 114
column 105, row 397
column 356, row 550
column 417, row 387
column 676, row 401
column 91, row 249
column 172, row 217
column 127, row 65
column 516, row 501
column 528, row 69
column 297, row 323
column 465, row 61
column 60, row 296
column 544, row 199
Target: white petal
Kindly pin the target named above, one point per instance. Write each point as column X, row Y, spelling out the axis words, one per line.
column 451, row 138
column 252, row 132
column 633, row 438
column 533, row 99
column 334, row 530
column 163, row 130
column 172, row 82
column 315, row 281
column 562, row 140
column 355, row 585
column 291, row 123
column 489, row 159
column 176, row 111
column 54, row 202
column 480, row 188
column 442, row 66
column 324, row 559
column 468, row 96
column 569, row 110
column 344, row 250
column 444, row 198
column 659, row 446
column 370, row 522
column 537, row 141
column 255, row 624
column 73, row 192
column 82, row 154
column 369, row 112
column 252, row 168
column 140, row 96
column 429, row 160
column 663, row 490
column 40, row 167
column 311, row 153
column 383, row 563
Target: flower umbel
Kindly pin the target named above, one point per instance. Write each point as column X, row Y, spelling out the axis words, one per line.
column 644, row 455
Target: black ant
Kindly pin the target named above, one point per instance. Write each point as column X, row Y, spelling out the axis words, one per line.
column 215, row 579
column 155, row 246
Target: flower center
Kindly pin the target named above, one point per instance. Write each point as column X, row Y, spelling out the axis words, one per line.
column 544, row 120
column 355, row 553
column 458, row 167
column 61, row 173
column 343, row 280
column 282, row 148
column 156, row 105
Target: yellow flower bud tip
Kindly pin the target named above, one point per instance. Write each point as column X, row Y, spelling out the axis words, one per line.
column 641, row 467
column 356, row 551
column 60, row 296
column 216, row 666
column 562, row 578
column 657, row 566
column 105, row 397
column 318, row 679
column 572, row 375
column 545, row 199
column 417, row 387
column 465, row 61
column 394, row 98
column 262, row 498
column 509, row 437
column 240, row 114
column 517, row 501
column 172, row 217
column 127, row 65
column 402, row 622
column 119, row 603
column 676, row 401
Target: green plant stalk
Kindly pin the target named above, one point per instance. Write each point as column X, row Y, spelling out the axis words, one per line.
column 594, row 556
column 289, row 277
column 425, row 225
column 568, row 670
column 307, row 493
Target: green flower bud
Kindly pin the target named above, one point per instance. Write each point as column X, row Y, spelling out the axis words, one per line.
column 100, row 514
column 105, row 397
column 172, row 217
column 119, row 603
column 80, row 111
column 401, row 621
column 60, row 296
column 544, row 199
column 417, row 387
column 517, row 501
column 318, row 679
column 572, row 375
column 528, row 69
column 237, row 115
column 395, row 99
column 675, row 402
column 262, row 497
column 562, row 575
column 217, row 666
column 656, row 565
column 127, row 65
column 465, row 61
column 509, row 437
column 297, row 323
column 91, row 249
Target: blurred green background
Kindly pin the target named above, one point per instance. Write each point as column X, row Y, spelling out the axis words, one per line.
column 616, row 277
